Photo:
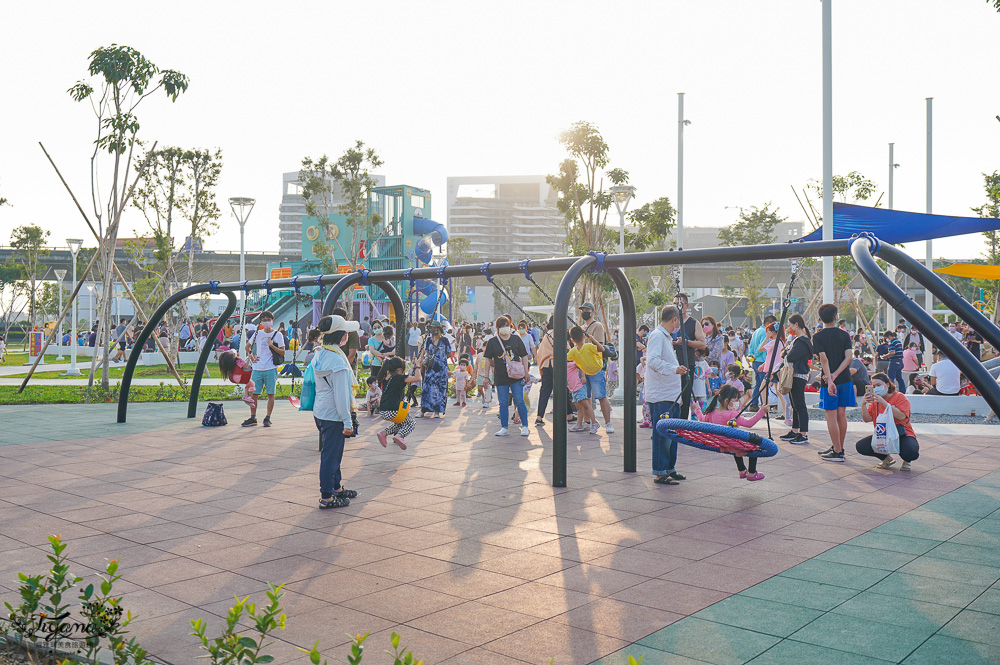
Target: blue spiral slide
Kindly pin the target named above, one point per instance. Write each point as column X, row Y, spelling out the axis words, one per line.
column 434, row 233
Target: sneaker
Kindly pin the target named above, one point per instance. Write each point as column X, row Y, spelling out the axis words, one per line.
column 382, row 438
column 250, row 422
column 788, row 436
column 501, row 432
column 755, row 476
column 646, row 425
column 743, row 475
column 833, row 457
column 905, row 466
column 609, row 428
column 595, row 428
column 267, row 421
column 800, row 438
column 524, row 430
column 577, row 428
column 398, row 440
column 825, row 452
column 676, row 476
column 457, row 404
column 665, row 480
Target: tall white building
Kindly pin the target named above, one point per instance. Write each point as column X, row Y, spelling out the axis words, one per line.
column 506, row 217
column 292, row 210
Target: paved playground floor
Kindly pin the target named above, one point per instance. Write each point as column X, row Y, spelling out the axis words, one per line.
column 460, row 544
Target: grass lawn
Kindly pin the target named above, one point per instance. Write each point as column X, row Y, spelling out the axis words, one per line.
column 186, row 370
column 14, row 359
column 77, row 394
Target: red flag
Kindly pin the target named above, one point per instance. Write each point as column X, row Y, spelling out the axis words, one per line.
column 361, row 251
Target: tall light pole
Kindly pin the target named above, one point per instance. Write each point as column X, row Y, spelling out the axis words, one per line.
column 928, row 296
column 892, row 170
column 622, row 194
column 74, row 248
column 890, row 270
column 242, row 206
column 827, row 145
column 60, row 274
column 681, row 123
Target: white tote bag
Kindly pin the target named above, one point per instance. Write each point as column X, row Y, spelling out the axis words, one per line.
column 886, row 438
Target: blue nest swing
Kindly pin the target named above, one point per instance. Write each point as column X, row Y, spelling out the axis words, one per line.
column 717, row 438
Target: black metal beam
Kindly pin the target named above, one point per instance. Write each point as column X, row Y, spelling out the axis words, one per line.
column 626, row 365
column 213, row 335
column 387, row 288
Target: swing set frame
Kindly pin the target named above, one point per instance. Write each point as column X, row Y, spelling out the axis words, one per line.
column 861, row 249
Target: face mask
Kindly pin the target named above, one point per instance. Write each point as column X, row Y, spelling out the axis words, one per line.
column 707, row 329
column 951, row 328
column 522, row 331
column 586, row 316
column 505, row 330
column 879, row 390
column 376, row 330
column 791, row 333
column 266, row 325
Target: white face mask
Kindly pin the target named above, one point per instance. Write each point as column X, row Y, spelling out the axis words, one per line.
column 266, row 325
column 505, row 330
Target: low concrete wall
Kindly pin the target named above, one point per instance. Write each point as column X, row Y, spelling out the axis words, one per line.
column 946, row 405
column 147, row 358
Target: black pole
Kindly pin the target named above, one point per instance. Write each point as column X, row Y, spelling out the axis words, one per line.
column 944, row 293
column 203, row 357
column 626, row 368
column 559, row 384
column 387, row 288
column 861, row 252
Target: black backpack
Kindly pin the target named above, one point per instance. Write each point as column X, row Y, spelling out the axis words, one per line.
column 214, row 416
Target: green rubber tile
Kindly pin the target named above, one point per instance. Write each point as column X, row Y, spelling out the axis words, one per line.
column 956, row 571
column 958, row 502
column 978, row 536
column 989, row 602
column 927, row 589
column 710, row 642
column 836, row 574
column 921, row 523
column 952, row 551
column 649, row 656
column 947, row 650
column 790, row 652
column 904, row 612
column 762, row 616
column 863, row 636
column 867, row 557
column 801, row 593
column 894, row 543
column 974, row 627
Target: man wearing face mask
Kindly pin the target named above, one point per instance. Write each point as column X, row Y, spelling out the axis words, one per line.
column 597, row 384
column 663, row 392
column 690, row 332
column 265, row 371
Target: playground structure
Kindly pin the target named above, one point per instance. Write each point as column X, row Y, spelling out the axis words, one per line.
column 862, row 250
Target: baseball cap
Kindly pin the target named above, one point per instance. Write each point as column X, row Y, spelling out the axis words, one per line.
column 586, row 305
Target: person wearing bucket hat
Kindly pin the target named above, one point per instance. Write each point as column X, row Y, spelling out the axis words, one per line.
column 434, row 360
column 597, row 384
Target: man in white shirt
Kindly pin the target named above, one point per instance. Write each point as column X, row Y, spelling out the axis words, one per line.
column 663, row 392
column 265, row 371
column 946, row 378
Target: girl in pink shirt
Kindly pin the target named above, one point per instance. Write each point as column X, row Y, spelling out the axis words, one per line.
column 723, row 410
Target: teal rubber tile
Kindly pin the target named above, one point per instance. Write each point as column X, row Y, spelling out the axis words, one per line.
column 801, row 593
column 940, row 650
column 926, row 524
column 989, row 602
column 790, row 652
column 894, row 543
column 927, row 589
column 762, row 616
column 956, row 571
column 710, row 642
column 868, row 557
column 952, row 551
column 971, row 503
column 974, row 627
column 836, row 574
column 649, row 656
column 978, row 536
column 896, row 611
column 863, row 636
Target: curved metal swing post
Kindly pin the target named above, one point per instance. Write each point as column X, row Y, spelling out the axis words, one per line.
column 140, row 342
column 861, row 251
column 940, row 288
column 220, row 323
column 387, row 288
column 627, row 364
column 559, row 383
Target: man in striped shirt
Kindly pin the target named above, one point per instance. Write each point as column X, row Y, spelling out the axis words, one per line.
column 895, row 358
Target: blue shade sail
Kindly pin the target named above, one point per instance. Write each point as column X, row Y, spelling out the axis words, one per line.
column 899, row 226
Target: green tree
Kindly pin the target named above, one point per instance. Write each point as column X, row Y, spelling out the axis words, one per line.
column 341, row 187
column 652, row 223
column 991, row 253
column 29, row 242
column 121, row 79
column 11, row 292
column 48, row 299
column 755, row 227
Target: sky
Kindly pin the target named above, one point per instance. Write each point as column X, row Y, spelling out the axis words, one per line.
column 445, row 89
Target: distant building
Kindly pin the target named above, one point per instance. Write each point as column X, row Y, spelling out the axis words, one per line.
column 290, row 214
column 707, row 237
column 506, row 217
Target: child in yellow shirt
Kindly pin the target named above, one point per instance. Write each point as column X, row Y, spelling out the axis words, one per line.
column 590, row 361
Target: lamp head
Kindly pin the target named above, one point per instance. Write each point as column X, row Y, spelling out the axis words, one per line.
column 60, row 274
column 623, row 194
column 74, row 245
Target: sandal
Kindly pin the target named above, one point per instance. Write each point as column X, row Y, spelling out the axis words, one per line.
column 886, row 463
column 334, row 502
column 346, row 493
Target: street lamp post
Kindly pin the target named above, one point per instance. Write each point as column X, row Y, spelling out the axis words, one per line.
column 242, row 206
column 622, row 194
column 74, row 248
column 60, row 275
column 682, row 122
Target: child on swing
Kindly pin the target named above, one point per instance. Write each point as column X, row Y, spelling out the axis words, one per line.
column 235, row 369
column 722, row 410
column 393, row 373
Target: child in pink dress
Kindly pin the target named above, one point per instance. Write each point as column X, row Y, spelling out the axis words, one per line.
column 722, row 410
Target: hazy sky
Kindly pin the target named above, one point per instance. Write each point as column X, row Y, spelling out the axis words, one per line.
column 472, row 88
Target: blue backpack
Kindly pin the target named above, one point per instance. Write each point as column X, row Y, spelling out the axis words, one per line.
column 214, row 416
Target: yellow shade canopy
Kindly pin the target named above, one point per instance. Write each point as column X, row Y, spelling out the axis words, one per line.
column 972, row 270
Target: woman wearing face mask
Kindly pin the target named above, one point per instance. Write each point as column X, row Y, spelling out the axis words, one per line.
column 799, row 353
column 714, row 340
column 507, row 347
column 434, row 360
column 882, row 395
column 526, row 338
column 377, row 346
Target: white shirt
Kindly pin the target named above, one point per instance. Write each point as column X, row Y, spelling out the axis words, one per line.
column 948, row 377
column 334, row 397
column 529, row 343
column 265, row 359
column 413, row 337
column 663, row 383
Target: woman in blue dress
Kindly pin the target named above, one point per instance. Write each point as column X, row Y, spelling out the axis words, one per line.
column 434, row 360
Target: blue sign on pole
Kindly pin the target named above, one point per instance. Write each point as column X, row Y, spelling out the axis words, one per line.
column 470, row 294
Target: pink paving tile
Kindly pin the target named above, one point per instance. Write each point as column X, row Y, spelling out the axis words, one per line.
column 714, row 576
column 469, row 583
column 407, row 567
column 524, row 565
column 594, row 580
column 671, row 596
column 688, row 548
column 482, row 656
column 340, row 585
column 618, row 619
column 558, row 642
column 537, row 599
column 474, row 623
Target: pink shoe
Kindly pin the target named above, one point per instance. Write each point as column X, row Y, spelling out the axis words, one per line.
column 743, row 475
column 398, row 440
column 382, row 439
column 646, row 425
column 755, row 476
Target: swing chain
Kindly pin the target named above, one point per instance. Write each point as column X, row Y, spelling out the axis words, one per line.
column 485, row 269
column 295, row 285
